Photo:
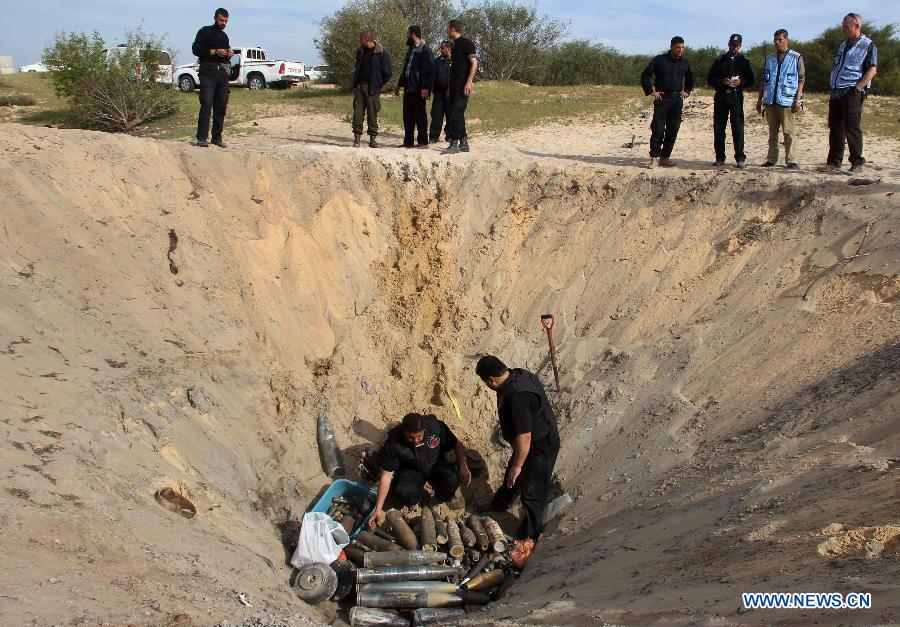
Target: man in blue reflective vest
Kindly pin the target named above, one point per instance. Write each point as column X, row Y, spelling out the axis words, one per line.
column 781, row 96
column 854, row 67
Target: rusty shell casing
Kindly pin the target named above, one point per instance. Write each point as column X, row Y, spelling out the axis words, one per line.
column 467, row 535
column 429, row 572
column 479, row 566
column 427, row 532
column 408, row 586
column 402, row 558
column 329, row 451
column 372, row 617
column 454, row 541
column 348, row 523
column 437, row 616
column 401, row 531
column 480, row 534
column 440, row 531
column 354, row 555
column 374, row 542
column 495, row 533
column 412, row 600
column 485, row 581
column 381, row 533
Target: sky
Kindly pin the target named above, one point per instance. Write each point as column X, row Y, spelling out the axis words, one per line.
column 287, row 28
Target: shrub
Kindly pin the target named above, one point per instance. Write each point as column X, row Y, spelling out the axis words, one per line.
column 18, row 101
column 112, row 91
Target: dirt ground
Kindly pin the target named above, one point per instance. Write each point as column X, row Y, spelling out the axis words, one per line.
column 176, row 317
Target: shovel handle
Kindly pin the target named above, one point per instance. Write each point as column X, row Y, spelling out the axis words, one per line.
column 545, row 318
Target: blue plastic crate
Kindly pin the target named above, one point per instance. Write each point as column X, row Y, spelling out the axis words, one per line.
column 345, row 487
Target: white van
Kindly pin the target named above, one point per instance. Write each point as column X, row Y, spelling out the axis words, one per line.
column 166, row 67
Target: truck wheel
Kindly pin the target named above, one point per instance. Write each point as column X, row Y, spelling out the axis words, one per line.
column 186, row 83
column 256, row 82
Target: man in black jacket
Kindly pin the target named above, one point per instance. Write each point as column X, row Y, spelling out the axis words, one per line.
column 441, row 85
column 528, row 423
column 728, row 75
column 417, row 81
column 371, row 72
column 212, row 49
column 415, row 453
column 668, row 78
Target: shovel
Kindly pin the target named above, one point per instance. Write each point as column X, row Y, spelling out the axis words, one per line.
column 548, row 327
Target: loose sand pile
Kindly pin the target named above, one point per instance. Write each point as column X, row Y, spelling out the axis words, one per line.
column 173, row 317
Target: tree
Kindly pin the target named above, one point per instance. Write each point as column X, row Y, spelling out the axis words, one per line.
column 388, row 20
column 115, row 90
column 510, row 38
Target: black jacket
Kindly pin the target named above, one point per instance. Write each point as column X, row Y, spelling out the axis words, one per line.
column 398, row 453
column 381, row 69
column 727, row 66
column 210, row 38
column 523, row 407
column 441, row 74
column 667, row 75
column 421, row 72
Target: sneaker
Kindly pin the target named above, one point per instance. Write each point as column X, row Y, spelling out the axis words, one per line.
column 793, row 165
column 719, row 163
column 521, row 552
column 219, row 143
column 856, row 168
column 741, row 165
column 666, row 162
column 202, row 143
column 654, row 162
column 768, row 164
column 452, row 149
column 464, row 145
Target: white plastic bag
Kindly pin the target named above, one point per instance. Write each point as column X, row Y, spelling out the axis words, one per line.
column 321, row 540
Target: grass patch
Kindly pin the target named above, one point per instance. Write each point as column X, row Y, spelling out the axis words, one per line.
column 17, row 100
column 495, row 107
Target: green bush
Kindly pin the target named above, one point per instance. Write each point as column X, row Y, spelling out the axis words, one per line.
column 19, row 101
column 115, row 91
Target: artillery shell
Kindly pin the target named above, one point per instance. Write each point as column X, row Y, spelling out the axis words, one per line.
column 480, row 534
column 454, row 542
column 486, row 581
column 404, row 573
column 402, row 531
column 402, row 558
column 379, row 544
column 467, row 535
column 440, row 528
column 495, row 533
column 428, row 534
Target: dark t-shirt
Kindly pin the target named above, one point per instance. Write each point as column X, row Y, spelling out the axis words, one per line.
column 210, row 38
column 460, row 64
column 398, row 453
column 517, row 416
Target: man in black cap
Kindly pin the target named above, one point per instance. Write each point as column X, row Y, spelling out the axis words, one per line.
column 729, row 75
column 528, row 423
column 213, row 50
column 669, row 79
column 415, row 453
column 441, row 85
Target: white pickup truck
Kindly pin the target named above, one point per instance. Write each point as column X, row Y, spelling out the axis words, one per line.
column 250, row 67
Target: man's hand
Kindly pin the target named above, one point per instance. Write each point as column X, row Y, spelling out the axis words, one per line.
column 512, row 475
column 657, row 95
column 221, row 52
column 759, row 107
column 685, row 94
column 397, row 91
column 426, row 94
column 377, row 518
column 465, row 475
column 795, row 107
column 467, row 88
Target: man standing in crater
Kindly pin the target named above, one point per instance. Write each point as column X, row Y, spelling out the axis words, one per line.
column 528, row 423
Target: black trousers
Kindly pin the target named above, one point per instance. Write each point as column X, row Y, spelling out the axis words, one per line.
column 456, row 112
column 665, row 125
column 408, row 483
column 439, row 111
column 415, row 117
column 214, row 92
column 844, row 119
column 532, row 486
column 725, row 104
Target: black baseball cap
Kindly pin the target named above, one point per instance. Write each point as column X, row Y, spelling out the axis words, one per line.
column 736, row 39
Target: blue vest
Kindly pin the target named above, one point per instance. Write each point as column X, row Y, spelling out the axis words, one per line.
column 848, row 64
column 781, row 84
